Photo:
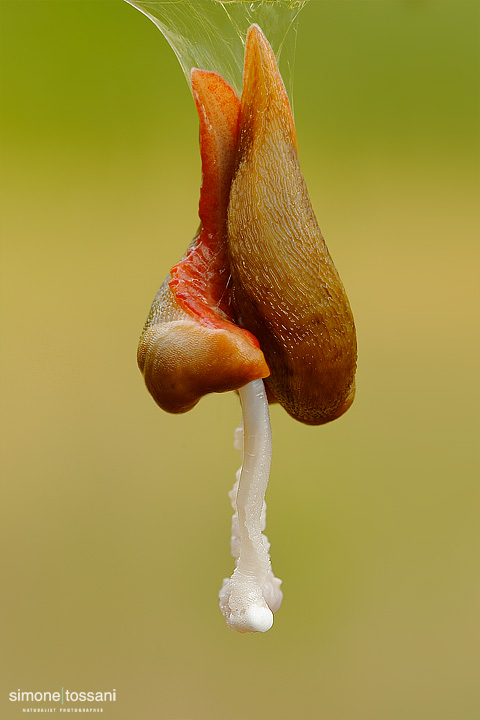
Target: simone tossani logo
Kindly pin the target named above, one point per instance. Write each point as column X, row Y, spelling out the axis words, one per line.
column 62, row 700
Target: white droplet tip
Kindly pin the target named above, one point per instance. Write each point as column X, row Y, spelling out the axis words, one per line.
column 254, row 619
column 259, row 619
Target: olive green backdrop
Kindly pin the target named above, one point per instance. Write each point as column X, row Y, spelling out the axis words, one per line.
column 115, row 517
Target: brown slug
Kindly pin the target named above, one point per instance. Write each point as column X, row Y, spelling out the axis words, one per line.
column 190, row 345
column 286, row 290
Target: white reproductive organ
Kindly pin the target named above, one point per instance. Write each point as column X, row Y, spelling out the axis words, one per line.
column 249, row 598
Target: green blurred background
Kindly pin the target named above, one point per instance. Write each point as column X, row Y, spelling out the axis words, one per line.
column 115, row 517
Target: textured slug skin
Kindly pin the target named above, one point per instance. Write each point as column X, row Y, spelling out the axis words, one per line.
column 190, row 345
column 286, row 289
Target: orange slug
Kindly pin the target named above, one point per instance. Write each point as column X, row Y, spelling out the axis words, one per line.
column 190, row 345
column 286, row 289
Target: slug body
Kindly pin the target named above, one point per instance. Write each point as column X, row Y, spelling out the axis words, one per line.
column 190, row 345
column 286, row 290
column 256, row 295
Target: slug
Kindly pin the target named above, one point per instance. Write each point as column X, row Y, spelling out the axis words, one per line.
column 190, row 344
column 256, row 295
column 286, row 290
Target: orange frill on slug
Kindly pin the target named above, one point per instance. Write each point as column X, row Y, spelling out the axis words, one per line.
column 286, row 289
column 190, row 345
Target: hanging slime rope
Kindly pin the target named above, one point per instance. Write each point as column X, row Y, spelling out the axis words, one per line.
column 210, row 34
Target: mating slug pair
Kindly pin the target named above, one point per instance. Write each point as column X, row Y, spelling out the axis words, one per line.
column 256, row 295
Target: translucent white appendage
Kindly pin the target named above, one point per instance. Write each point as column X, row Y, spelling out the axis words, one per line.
column 250, row 597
